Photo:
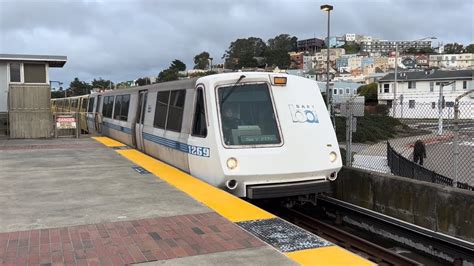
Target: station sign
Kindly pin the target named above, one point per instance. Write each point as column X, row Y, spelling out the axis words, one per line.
column 66, row 122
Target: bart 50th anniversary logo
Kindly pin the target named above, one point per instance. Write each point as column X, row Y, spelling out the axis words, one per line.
column 303, row 113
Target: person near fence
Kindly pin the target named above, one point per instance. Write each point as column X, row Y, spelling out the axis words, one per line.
column 419, row 152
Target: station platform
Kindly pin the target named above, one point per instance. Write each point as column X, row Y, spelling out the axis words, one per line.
column 98, row 202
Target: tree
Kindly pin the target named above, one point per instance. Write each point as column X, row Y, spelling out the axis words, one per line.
column 453, row 48
column 102, row 84
column 242, row 52
column 178, row 65
column 369, row 91
column 412, row 50
column 283, row 42
column 351, row 48
column 469, row 48
column 168, row 75
column 201, row 61
column 278, row 58
column 142, row 81
column 202, row 74
column 78, row 87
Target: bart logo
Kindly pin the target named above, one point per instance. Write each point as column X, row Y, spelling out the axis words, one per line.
column 303, row 113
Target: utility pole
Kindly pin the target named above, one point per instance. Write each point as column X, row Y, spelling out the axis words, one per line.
column 328, row 8
column 456, row 133
column 395, row 84
column 440, row 106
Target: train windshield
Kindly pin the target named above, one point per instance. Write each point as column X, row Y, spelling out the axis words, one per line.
column 247, row 115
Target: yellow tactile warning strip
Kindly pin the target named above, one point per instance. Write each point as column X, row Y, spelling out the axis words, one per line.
column 332, row 255
column 109, row 142
column 230, row 207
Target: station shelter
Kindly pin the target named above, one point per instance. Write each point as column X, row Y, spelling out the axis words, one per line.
column 25, row 94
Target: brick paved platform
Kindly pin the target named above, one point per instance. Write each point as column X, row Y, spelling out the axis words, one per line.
column 119, row 243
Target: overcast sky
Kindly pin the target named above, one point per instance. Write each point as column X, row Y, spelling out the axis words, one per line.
column 123, row 40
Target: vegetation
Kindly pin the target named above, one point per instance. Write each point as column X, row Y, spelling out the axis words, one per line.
column 201, row 61
column 78, row 87
column 469, row 48
column 202, row 74
column 351, row 48
column 453, row 48
column 369, row 92
column 177, row 65
column 254, row 52
column 101, row 83
column 171, row 73
column 142, row 81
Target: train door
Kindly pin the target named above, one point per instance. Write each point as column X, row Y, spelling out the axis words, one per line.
column 140, row 118
column 98, row 115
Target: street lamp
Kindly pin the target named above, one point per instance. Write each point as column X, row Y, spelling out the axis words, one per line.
column 328, row 8
column 394, row 104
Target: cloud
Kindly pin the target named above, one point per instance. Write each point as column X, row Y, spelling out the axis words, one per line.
column 123, row 40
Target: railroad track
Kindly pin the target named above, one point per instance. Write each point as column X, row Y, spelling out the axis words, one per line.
column 371, row 251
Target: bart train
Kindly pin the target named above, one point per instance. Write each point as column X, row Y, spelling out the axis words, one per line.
column 256, row 135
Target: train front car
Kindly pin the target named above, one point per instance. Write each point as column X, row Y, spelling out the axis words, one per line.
column 274, row 137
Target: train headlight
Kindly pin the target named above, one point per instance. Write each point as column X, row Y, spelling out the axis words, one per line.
column 332, row 157
column 232, row 163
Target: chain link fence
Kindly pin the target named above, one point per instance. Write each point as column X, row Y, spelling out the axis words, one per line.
column 384, row 143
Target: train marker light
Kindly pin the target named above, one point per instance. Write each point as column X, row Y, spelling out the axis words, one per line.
column 279, row 81
column 332, row 157
column 232, row 163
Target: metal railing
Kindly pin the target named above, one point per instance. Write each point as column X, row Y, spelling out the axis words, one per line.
column 402, row 166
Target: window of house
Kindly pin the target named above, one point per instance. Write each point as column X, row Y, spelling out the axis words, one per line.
column 90, row 108
column 169, row 110
column 15, row 72
column 412, row 84
column 464, row 84
column 433, row 105
column 335, row 91
column 34, row 73
column 107, row 106
column 122, row 103
column 411, row 104
column 199, row 122
column 386, row 88
column 348, row 91
column 431, row 86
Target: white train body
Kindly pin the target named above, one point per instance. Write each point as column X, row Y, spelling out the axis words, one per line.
column 256, row 138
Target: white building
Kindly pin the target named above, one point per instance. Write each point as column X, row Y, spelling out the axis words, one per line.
column 452, row 61
column 350, row 37
column 418, row 93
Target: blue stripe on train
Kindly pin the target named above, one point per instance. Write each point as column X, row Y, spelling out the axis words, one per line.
column 183, row 147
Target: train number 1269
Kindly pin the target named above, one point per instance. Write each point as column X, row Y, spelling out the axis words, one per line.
column 199, row 151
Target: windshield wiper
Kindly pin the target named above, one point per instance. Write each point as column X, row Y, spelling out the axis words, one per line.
column 232, row 89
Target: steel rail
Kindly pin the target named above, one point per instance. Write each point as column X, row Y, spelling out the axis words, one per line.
column 375, row 253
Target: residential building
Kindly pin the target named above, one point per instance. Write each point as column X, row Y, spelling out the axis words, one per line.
column 384, row 47
column 422, row 61
column 340, row 89
column 296, row 60
column 308, row 62
column 25, row 94
column 452, row 61
column 335, row 41
column 354, row 62
column 312, row 45
column 381, row 62
column 350, row 37
column 391, row 61
column 409, row 62
column 418, row 92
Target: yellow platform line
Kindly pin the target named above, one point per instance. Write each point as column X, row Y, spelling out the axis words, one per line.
column 109, row 142
column 229, row 206
column 331, row 255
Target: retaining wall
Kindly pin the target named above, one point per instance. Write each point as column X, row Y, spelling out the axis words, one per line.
column 444, row 209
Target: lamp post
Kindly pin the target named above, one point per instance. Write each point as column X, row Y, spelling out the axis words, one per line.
column 395, row 85
column 328, row 8
column 210, row 63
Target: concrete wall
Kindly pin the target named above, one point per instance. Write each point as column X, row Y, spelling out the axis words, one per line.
column 439, row 208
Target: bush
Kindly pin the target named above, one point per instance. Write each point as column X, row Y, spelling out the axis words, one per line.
column 381, row 109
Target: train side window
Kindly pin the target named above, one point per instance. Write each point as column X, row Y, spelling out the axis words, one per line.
column 90, row 108
column 84, row 105
column 175, row 110
column 118, row 106
column 107, row 106
column 199, row 121
column 161, row 109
